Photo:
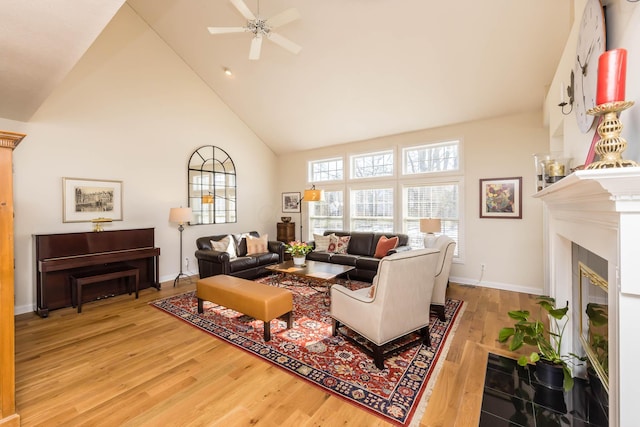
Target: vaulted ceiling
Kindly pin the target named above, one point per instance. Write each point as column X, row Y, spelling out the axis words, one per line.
column 367, row 68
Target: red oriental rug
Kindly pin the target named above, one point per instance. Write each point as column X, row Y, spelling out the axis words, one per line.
column 398, row 393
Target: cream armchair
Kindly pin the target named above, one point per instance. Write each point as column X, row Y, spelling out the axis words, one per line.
column 446, row 245
column 395, row 305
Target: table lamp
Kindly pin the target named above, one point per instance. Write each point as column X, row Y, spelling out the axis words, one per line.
column 430, row 226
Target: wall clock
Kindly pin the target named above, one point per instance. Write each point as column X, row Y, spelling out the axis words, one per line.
column 591, row 44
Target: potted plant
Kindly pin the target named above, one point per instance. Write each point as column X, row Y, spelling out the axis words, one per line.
column 298, row 251
column 548, row 359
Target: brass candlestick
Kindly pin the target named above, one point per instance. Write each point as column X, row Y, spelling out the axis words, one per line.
column 611, row 144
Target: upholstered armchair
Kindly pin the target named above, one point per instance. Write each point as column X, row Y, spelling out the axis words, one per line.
column 446, row 245
column 395, row 305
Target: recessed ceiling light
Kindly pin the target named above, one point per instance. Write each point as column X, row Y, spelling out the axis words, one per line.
column 227, row 72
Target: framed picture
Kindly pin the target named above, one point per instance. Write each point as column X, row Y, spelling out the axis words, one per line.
column 501, row 198
column 86, row 199
column 291, row 202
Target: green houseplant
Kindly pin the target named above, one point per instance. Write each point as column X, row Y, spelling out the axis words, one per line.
column 547, row 343
column 298, row 249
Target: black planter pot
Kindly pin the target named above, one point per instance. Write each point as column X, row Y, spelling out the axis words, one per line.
column 549, row 375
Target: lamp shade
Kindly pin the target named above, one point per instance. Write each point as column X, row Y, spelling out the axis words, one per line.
column 430, row 225
column 180, row 215
column 312, row 195
column 207, row 198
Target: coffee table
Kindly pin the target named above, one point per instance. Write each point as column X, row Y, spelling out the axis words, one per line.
column 318, row 275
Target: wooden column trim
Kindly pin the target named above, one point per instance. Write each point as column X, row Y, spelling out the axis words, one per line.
column 8, row 416
column 10, row 139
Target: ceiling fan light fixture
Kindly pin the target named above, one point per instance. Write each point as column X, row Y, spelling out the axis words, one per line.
column 262, row 28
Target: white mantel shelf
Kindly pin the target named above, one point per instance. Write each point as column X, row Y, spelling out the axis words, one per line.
column 600, row 211
column 621, row 184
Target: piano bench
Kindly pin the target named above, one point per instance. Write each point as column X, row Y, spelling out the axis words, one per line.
column 80, row 279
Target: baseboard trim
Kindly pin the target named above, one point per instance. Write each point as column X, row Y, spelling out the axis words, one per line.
column 495, row 285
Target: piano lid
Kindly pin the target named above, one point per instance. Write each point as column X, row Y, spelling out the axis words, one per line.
column 85, row 243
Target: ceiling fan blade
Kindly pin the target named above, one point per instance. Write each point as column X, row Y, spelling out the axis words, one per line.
column 256, row 45
column 243, row 9
column 225, row 30
column 285, row 43
column 283, row 18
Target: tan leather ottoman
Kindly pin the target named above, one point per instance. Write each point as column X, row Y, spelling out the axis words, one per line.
column 262, row 302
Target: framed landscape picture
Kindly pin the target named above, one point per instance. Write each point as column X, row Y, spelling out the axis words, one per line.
column 291, row 202
column 501, row 198
column 86, row 199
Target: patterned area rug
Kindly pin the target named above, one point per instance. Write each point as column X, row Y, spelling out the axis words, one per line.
column 397, row 394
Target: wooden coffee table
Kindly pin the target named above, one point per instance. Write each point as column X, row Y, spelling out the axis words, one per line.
column 315, row 274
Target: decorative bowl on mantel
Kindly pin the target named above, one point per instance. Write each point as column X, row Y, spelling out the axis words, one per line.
column 285, row 219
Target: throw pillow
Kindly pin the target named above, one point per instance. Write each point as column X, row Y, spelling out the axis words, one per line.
column 322, row 242
column 241, row 244
column 339, row 244
column 257, row 245
column 225, row 244
column 385, row 245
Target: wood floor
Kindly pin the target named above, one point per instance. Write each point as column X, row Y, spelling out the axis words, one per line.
column 123, row 362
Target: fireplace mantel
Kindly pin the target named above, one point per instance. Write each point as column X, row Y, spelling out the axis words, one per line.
column 600, row 211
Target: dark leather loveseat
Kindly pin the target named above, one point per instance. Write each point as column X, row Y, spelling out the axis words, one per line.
column 360, row 252
column 212, row 262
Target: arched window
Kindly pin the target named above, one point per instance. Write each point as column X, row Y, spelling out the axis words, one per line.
column 212, row 186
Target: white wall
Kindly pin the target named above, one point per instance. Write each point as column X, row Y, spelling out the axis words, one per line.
column 131, row 110
column 500, row 147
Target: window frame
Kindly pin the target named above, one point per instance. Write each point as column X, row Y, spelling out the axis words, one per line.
column 313, row 179
column 406, row 148
column 345, row 210
column 440, row 181
column 354, row 156
column 397, row 182
column 379, row 185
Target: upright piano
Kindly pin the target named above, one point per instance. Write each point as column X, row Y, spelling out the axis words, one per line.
column 57, row 256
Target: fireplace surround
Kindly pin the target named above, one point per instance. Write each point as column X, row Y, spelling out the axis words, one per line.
column 599, row 210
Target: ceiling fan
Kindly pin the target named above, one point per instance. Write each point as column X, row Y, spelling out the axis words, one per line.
column 262, row 28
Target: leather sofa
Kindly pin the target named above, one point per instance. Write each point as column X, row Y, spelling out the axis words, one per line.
column 360, row 252
column 212, row 262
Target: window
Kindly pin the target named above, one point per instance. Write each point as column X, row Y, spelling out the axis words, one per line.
column 442, row 157
column 212, row 186
column 372, row 210
column 326, row 170
column 374, row 197
column 327, row 214
column 432, row 201
column 372, row 165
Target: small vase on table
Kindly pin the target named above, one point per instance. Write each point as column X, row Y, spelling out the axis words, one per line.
column 298, row 260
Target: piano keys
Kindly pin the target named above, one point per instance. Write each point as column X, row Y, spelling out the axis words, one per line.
column 57, row 256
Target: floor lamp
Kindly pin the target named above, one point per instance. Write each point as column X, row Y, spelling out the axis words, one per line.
column 180, row 216
column 430, row 226
column 311, row 195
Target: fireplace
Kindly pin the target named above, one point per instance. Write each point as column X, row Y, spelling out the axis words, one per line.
column 599, row 211
column 591, row 317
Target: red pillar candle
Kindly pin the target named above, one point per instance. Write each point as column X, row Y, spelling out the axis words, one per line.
column 612, row 75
